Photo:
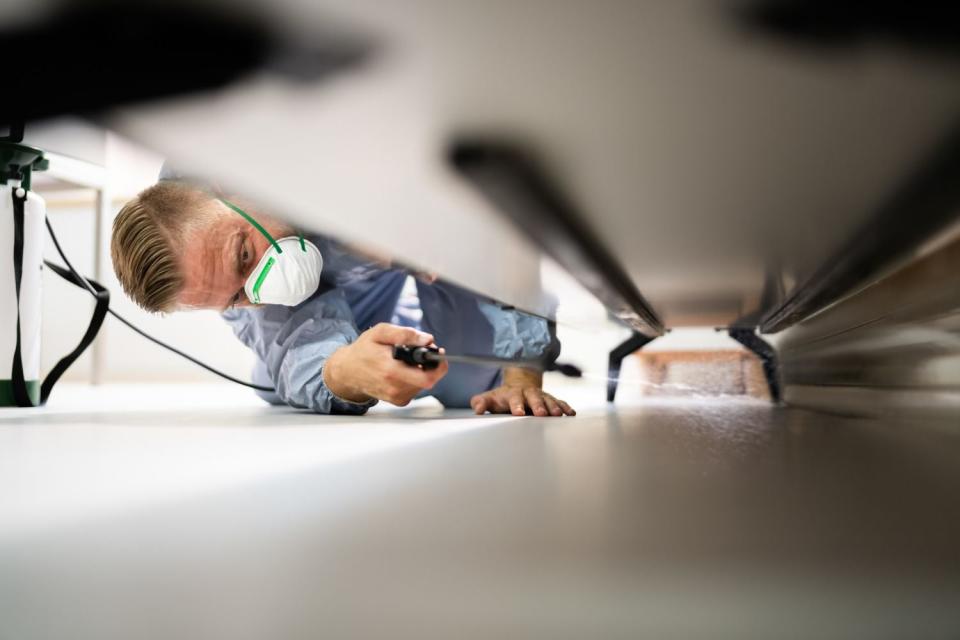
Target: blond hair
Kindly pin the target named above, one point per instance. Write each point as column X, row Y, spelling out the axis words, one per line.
column 147, row 236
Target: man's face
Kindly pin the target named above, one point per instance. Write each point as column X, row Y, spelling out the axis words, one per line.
column 219, row 256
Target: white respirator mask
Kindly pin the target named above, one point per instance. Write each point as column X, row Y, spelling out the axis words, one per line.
column 289, row 271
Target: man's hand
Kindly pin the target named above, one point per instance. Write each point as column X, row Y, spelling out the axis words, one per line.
column 366, row 369
column 521, row 389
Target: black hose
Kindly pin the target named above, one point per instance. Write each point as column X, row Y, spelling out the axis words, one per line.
column 93, row 292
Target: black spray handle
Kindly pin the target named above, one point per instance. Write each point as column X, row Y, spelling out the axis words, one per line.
column 414, row 355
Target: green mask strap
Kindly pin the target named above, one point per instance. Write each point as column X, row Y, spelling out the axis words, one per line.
column 257, row 225
column 261, row 278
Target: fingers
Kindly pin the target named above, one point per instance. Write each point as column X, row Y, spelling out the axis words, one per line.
column 400, row 395
column 480, row 403
column 399, row 383
column 516, row 402
column 421, row 378
column 567, row 409
column 552, row 405
column 391, row 334
column 557, row 406
column 496, row 401
column 536, row 400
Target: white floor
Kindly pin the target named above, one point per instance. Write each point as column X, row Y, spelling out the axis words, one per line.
column 99, row 451
column 197, row 512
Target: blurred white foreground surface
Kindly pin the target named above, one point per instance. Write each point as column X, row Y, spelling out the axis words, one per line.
column 196, row 512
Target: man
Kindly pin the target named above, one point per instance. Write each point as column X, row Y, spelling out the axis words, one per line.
column 322, row 320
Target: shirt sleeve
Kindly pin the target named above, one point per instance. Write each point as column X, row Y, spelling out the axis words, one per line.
column 294, row 344
column 520, row 335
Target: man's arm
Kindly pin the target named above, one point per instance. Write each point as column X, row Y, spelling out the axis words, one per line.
column 316, row 360
column 294, row 346
column 366, row 368
column 520, row 335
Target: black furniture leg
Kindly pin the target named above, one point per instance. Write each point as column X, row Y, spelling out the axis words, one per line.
column 747, row 336
column 621, row 351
